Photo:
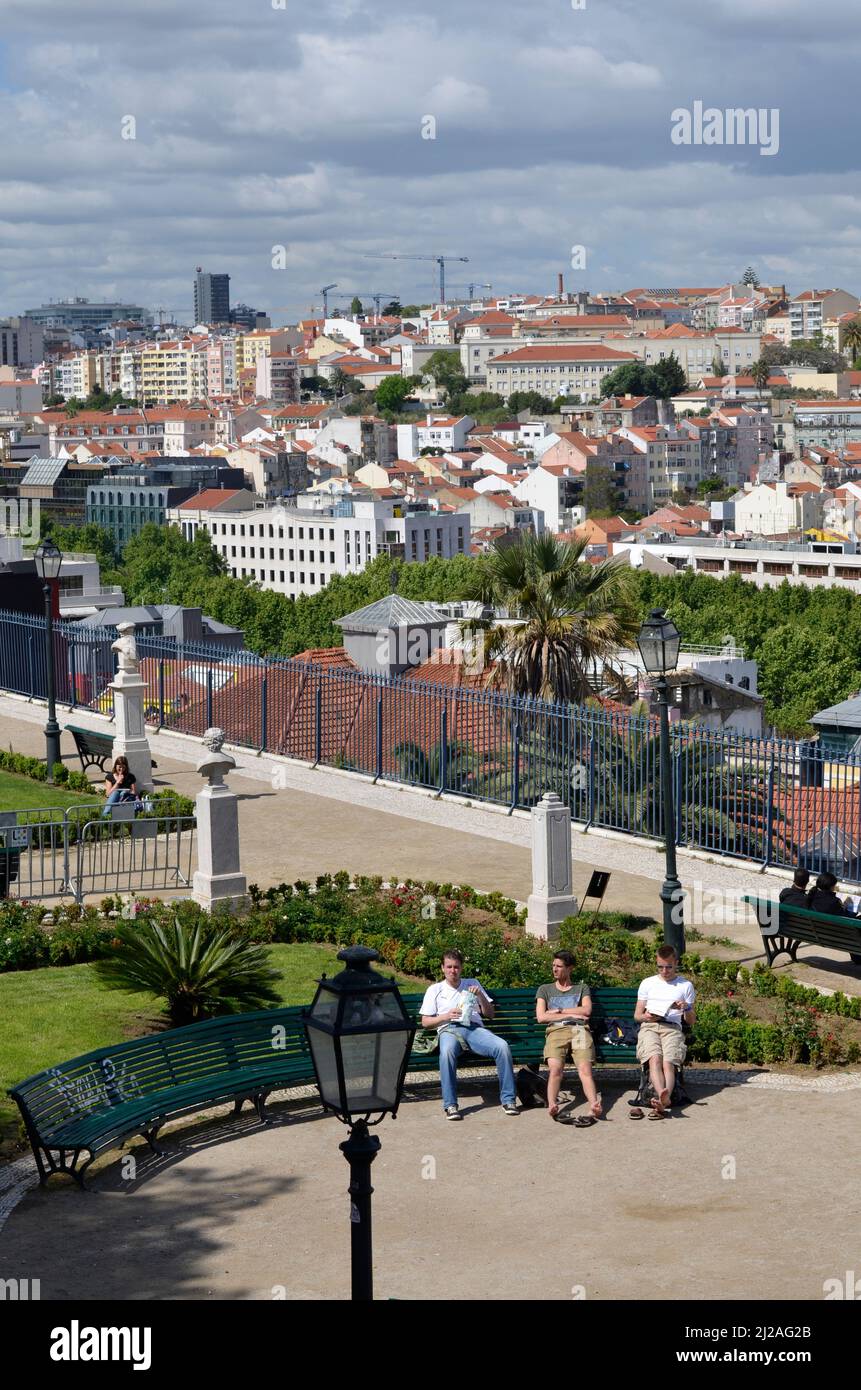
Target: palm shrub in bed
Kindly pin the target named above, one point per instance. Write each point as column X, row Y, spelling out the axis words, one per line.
column 199, row 968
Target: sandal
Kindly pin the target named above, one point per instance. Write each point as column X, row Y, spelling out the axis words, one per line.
column 659, row 1115
column 584, row 1121
column 636, row 1114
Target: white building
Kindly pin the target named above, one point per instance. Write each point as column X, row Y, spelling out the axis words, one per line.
column 447, row 432
column 298, row 550
column 773, row 509
column 767, row 564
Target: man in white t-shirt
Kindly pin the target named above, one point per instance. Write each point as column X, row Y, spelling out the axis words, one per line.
column 455, row 1007
column 663, row 1002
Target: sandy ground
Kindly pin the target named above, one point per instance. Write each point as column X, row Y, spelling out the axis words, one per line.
column 492, row 1208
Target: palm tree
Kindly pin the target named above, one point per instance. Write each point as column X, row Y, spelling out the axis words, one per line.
column 198, row 970
column 852, row 338
column 455, row 763
column 760, row 371
column 722, row 796
column 570, row 618
column 339, row 382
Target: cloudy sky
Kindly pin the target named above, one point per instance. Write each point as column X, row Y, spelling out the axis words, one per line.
column 299, row 123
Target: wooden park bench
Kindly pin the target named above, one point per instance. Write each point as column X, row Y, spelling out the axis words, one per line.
column 784, row 929
column 94, row 749
column 92, row 1103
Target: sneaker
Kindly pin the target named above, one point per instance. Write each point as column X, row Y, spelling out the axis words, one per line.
column 452, row 1113
column 510, row 1109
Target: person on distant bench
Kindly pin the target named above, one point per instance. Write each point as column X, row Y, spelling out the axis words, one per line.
column 565, row 1008
column 120, row 785
column 795, row 894
column 456, row 1007
column 822, row 898
column 663, row 1002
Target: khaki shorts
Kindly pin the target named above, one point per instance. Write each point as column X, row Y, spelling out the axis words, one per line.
column 661, row 1040
column 564, row 1042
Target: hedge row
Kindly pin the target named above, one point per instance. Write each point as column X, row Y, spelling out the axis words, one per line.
column 37, row 770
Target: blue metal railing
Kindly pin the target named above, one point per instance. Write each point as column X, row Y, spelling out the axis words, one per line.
column 778, row 801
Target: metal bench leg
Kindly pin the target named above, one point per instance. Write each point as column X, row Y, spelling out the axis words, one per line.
column 150, row 1135
column 779, row 946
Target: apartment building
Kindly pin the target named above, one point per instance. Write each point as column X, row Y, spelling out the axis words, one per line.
column 298, row 550
column 261, row 342
column 575, row 369
column 674, row 460
column 174, row 371
column 277, row 377
column 125, row 501
column 695, row 350
column 22, row 342
column 446, row 432
column 826, row 424
column 767, row 564
column 809, row 311
column 18, row 396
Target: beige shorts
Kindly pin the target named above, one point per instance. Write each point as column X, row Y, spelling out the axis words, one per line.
column 565, row 1042
column 661, row 1040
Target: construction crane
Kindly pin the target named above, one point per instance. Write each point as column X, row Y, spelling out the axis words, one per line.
column 440, row 261
column 325, row 293
column 161, row 311
column 476, row 286
column 377, row 296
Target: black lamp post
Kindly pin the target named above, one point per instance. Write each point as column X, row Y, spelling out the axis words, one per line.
column 49, row 558
column 659, row 642
column 360, row 1036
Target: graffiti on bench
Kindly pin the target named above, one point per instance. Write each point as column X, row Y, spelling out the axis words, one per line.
column 105, row 1084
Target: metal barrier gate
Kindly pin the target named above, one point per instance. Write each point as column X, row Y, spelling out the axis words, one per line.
column 78, row 852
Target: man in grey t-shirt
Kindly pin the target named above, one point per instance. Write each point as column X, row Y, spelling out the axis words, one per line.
column 565, row 1008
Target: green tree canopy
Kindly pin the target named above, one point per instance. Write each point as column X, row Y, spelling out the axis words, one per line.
column 392, row 392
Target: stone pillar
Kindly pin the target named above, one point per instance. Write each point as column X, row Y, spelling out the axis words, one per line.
column 129, row 687
column 550, row 901
column 217, row 882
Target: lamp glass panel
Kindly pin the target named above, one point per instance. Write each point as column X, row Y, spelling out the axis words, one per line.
column 323, row 1050
column 372, row 1067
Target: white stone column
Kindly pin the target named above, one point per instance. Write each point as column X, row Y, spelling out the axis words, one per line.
column 217, row 882
column 551, row 900
column 129, row 687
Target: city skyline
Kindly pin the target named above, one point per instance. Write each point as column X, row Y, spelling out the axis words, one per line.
column 134, row 160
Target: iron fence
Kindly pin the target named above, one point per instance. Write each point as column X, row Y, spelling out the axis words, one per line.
column 780, row 802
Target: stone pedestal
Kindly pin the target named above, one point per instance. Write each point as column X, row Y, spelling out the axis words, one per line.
column 551, row 900
column 130, row 740
column 218, row 883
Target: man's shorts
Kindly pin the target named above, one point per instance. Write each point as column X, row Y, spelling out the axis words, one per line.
column 661, row 1040
column 566, row 1042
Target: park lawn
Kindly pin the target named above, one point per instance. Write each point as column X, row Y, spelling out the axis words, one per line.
column 51, row 1015
column 22, row 793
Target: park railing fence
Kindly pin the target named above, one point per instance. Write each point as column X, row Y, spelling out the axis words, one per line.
column 779, row 802
column 90, row 849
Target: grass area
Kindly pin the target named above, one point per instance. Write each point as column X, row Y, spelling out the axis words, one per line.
column 54, row 1014
column 22, row 793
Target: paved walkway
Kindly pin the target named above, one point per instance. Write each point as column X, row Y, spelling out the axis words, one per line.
column 296, row 822
column 696, row 1207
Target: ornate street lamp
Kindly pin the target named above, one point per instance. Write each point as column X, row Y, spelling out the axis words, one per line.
column 360, row 1035
column 659, row 643
column 49, row 558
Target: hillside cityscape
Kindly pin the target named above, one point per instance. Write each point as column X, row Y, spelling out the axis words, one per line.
column 679, row 431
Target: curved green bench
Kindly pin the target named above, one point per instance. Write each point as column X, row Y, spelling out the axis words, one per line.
column 92, row 1103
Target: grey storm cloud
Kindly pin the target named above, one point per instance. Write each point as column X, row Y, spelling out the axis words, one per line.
column 300, row 124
